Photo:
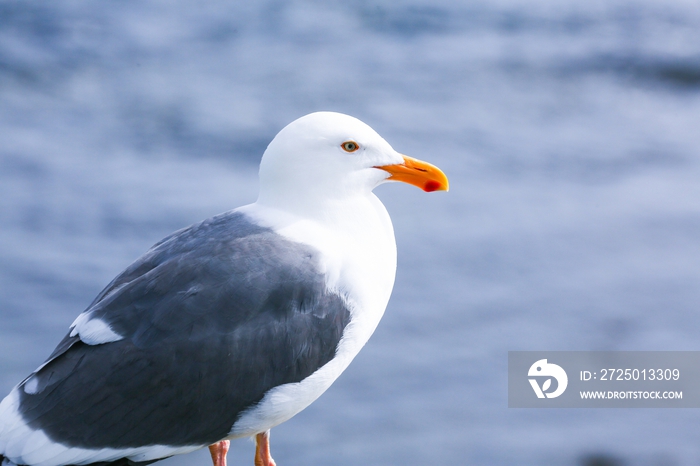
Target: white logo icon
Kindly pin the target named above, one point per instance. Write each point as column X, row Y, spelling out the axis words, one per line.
column 543, row 369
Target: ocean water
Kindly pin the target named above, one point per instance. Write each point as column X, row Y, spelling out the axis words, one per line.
column 569, row 131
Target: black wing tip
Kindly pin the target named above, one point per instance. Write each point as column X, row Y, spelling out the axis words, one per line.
column 119, row 462
column 124, row 462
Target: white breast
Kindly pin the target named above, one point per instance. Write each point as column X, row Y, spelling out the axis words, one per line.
column 359, row 250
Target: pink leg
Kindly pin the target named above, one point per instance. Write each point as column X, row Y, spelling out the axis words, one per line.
column 262, row 450
column 218, row 452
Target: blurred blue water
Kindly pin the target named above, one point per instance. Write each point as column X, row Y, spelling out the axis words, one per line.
column 568, row 130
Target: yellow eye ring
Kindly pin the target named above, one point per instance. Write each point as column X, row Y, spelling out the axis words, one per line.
column 350, row 146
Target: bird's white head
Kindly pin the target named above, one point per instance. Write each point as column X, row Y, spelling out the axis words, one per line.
column 330, row 156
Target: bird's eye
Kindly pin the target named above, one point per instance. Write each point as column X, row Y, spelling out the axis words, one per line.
column 350, row 146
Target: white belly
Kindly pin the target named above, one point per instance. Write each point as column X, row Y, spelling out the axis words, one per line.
column 283, row 402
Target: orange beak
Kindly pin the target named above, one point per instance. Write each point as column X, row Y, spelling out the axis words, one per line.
column 418, row 173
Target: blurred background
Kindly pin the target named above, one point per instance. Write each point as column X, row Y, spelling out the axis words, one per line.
column 570, row 133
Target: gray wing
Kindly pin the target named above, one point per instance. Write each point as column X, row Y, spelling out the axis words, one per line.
column 212, row 318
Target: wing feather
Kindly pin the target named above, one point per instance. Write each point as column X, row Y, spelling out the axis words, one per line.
column 212, row 317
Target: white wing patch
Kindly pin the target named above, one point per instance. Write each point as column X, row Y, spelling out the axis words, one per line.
column 93, row 331
column 31, row 385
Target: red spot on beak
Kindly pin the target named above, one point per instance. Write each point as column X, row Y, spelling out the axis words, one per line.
column 418, row 173
column 431, row 186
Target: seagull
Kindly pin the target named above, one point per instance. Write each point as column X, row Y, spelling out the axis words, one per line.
column 229, row 327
